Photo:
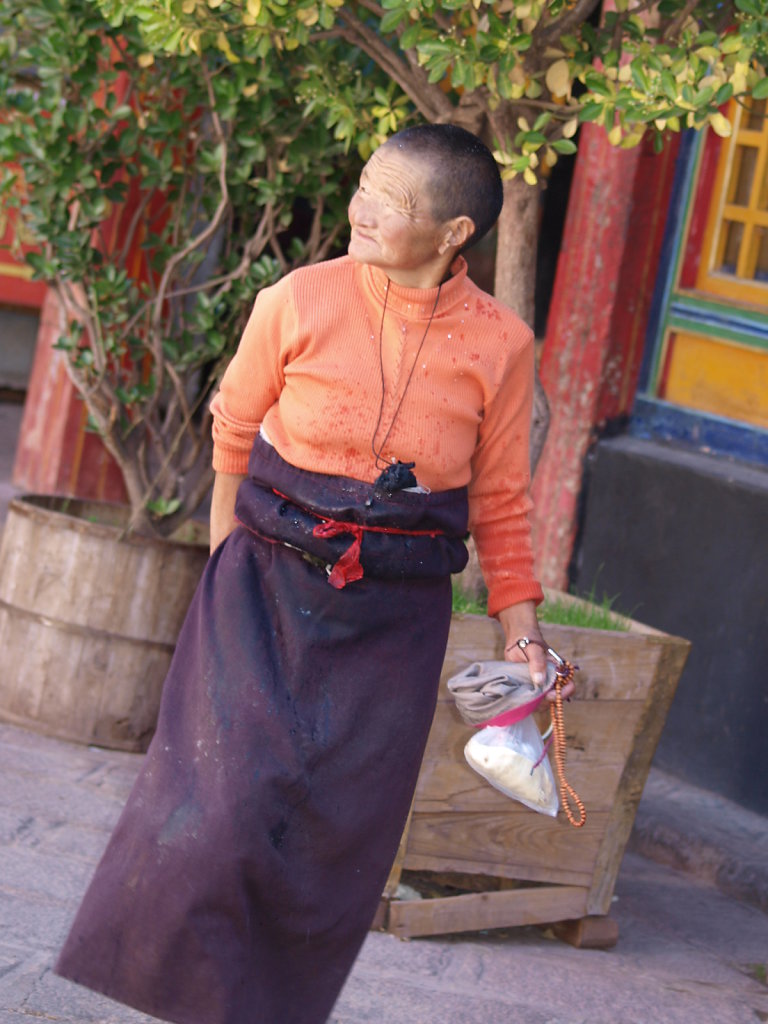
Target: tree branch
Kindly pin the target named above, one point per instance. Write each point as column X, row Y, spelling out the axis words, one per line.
column 671, row 31
column 373, row 7
column 548, row 31
column 427, row 97
column 317, row 246
column 209, row 230
column 167, row 454
column 130, row 233
column 99, row 397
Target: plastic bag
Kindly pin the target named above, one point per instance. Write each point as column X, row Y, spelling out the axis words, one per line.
column 488, row 689
column 513, row 759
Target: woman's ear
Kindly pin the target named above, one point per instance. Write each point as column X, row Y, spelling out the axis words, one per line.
column 457, row 233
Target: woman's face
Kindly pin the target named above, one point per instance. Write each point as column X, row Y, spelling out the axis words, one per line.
column 392, row 226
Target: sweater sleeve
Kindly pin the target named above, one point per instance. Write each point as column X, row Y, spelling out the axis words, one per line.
column 252, row 382
column 498, row 492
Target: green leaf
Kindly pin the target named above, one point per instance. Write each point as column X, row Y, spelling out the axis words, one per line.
column 703, row 96
column 410, row 37
column 731, row 44
column 760, row 91
column 639, row 76
column 164, row 506
column 669, row 85
column 591, row 111
column 532, row 138
column 598, row 83
column 391, row 20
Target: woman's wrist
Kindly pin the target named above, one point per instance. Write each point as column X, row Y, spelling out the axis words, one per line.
column 518, row 621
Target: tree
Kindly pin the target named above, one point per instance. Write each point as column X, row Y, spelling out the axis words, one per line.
column 523, row 74
column 162, row 194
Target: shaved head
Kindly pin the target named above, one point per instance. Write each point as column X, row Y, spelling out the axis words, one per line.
column 464, row 177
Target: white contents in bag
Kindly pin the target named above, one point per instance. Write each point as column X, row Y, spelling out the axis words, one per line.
column 512, row 758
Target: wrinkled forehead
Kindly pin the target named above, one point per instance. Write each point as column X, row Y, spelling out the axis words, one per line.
column 391, row 154
column 404, row 174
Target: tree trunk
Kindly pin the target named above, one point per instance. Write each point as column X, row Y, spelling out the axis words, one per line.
column 516, row 246
column 518, row 234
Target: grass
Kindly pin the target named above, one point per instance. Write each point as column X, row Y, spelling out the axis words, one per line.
column 466, row 605
column 593, row 614
column 759, row 972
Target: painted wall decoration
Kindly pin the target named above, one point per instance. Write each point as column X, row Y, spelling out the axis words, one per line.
column 17, row 289
column 705, row 374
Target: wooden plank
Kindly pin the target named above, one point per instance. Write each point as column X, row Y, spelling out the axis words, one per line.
column 92, row 648
column 461, row 824
column 380, row 921
column 512, row 844
column 612, row 665
column 599, row 736
column 588, row 932
column 601, row 728
column 472, row 638
column 449, row 787
column 512, row 872
column 639, row 756
column 477, row 911
column 396, row 871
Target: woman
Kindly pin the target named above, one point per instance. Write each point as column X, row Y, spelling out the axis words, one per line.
column 375, row 403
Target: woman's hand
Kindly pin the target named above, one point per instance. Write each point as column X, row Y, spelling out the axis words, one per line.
column 223, row 520
column 518, row 621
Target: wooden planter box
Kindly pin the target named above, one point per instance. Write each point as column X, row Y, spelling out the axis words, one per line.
column 506, row 864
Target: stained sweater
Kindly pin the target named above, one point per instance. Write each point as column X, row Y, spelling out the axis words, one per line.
column 458, row 395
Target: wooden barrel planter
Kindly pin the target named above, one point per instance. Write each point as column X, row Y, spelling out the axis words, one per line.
column 89, row 617
column 479, row 860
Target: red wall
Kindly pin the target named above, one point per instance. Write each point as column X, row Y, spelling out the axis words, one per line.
column 55, row 453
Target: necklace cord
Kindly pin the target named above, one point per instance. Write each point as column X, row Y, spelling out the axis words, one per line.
column 380, row 462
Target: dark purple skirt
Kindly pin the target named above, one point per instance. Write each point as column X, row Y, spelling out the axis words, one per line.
column 247, row 866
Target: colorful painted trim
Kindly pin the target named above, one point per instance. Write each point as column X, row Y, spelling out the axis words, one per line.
column 655, row 420
column 677, row 311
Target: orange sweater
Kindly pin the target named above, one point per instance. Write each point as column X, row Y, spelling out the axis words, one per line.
column 308, row 368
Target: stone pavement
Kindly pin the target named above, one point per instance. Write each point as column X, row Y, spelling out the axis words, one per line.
column 687, row 953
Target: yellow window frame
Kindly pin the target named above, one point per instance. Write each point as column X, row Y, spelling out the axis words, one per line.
column 741, row 285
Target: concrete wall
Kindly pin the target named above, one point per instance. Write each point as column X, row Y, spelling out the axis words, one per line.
column 681, row 538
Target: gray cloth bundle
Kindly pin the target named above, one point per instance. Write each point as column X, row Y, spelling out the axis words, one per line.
column 486, row 689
